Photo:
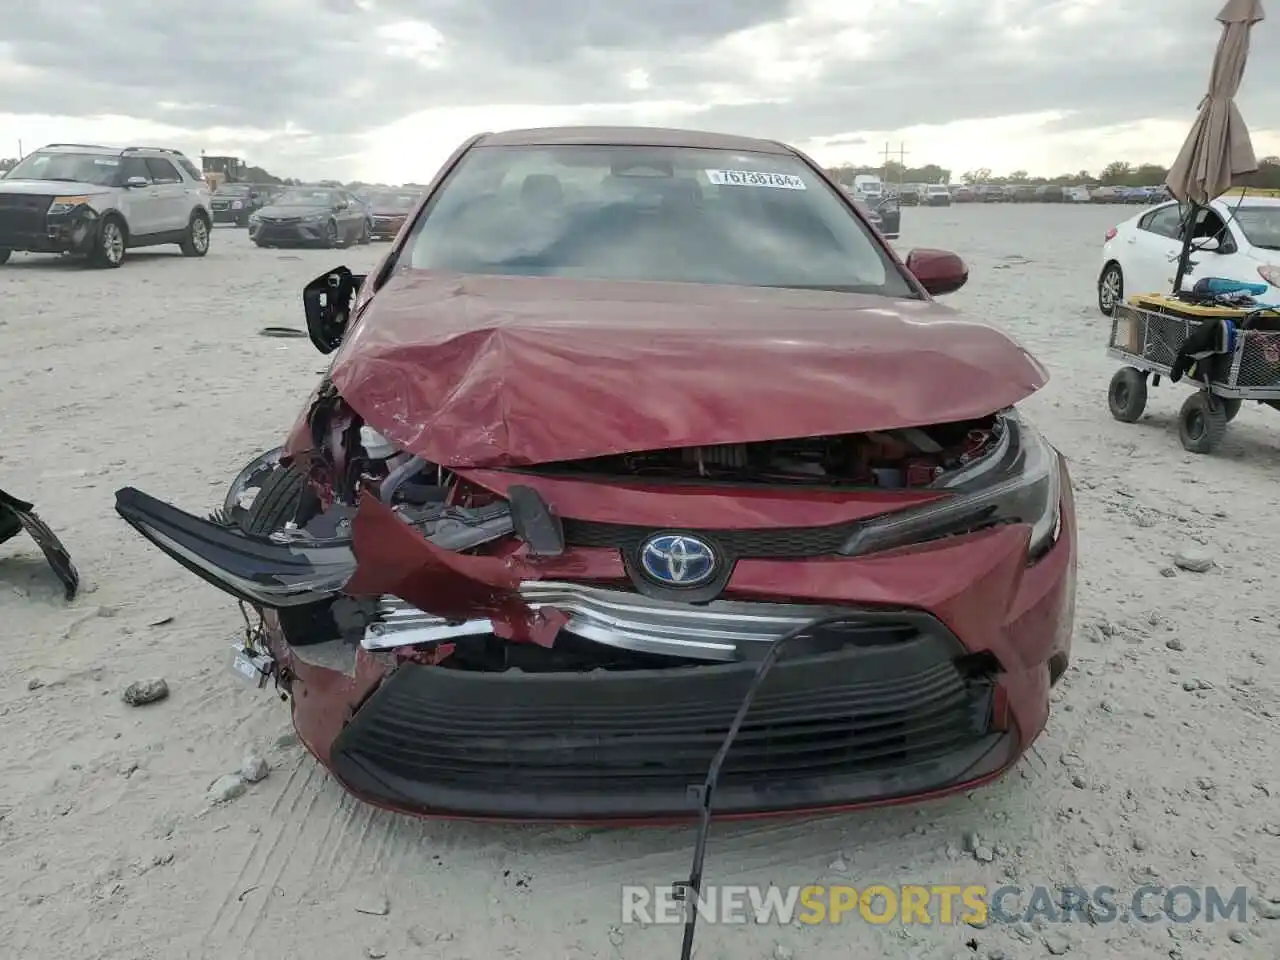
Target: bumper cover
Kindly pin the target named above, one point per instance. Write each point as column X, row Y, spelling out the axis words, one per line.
column 863, row 725
column 265, row 231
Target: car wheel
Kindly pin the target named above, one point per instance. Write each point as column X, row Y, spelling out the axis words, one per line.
column 1127, row 395
column 365, row 233
column 1110, row 289
column 276, row 502
column 1230, row 406
column 196, row 242
column 109, row 250
column 331, row 235
column 1202, row 422
column 4, row 255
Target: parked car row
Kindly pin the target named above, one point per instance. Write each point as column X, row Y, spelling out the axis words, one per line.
column 1056, row 193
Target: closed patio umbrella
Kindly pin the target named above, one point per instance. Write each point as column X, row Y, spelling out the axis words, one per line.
column 1218, row 151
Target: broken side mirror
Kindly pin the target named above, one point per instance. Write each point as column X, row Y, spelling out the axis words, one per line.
column 327, row 300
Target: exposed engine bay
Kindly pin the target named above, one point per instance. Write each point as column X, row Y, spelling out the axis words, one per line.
column 892, row 458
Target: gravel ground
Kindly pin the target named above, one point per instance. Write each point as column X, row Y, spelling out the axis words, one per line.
column 1159, row 765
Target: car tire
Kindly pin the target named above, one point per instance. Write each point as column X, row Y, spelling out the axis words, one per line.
column 1202, row 422
column 110, row 244
column 4, row 255
column 1231, row 406
column 1110, row 288
column 1127, row 395
column 196, row 241
column 331, row 237
column 276, row 502
column 366, row 235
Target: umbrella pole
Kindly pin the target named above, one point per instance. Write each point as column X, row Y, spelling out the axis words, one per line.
column 1184, row 257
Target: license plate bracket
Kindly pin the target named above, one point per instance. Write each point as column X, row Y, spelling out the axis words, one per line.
column 251, row 666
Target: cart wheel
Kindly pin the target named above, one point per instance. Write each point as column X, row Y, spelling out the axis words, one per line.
column 1201, row 422
column 1127, row 395
column 1231, row 406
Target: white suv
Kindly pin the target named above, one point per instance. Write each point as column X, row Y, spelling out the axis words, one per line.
column 99, row 202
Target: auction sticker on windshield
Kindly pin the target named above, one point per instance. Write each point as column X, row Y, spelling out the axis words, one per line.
column 750, row 178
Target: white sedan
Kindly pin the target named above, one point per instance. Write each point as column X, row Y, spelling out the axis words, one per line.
column 1235, row 238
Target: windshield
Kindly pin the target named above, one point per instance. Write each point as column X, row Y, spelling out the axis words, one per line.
column 650, row 213
column 101, row 169
column 1260, row 225
column 234, row 190
column 306, row 198
column 393, row 201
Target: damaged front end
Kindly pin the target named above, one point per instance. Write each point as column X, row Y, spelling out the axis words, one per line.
column 569, row 639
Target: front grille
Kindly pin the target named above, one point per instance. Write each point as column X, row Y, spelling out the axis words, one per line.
column 780, row 543
column 22, row 217
column 841, row 727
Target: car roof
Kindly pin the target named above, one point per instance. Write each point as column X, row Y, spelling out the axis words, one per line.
column 630, row 136
column 101, row 148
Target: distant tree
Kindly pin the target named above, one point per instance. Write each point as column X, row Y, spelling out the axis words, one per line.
column 981, row 175
column 1115, row 174
column 1019, row 176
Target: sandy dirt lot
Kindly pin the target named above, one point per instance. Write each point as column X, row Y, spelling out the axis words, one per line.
column 1161, row 764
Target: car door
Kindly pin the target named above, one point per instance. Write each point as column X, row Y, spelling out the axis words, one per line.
column 352, row 216
column 140, row 204
column 1150, row 245
column 173, row 193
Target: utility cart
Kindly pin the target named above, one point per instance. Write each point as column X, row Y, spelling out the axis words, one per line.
column 1148, row 334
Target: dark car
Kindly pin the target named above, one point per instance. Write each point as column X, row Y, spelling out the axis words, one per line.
column 1050, row 193
column 236, row 202
column 389, row 212
column 310, row 216
column 622, row 416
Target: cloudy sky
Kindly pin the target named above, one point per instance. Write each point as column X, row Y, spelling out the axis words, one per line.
column 384, row 89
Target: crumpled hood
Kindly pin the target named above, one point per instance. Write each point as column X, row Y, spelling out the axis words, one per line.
column 501, row 371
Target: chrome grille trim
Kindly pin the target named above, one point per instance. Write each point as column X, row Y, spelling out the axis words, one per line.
column 617, row 618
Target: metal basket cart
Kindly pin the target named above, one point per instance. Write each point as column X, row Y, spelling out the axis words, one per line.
column 1147, row 332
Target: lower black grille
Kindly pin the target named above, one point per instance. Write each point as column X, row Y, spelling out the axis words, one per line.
column 22, row 217
column 791, row 543
column 825, row 730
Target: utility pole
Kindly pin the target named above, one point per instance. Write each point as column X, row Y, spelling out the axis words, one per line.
column 902, row 159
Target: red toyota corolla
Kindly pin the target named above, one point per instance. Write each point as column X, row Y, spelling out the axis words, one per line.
column 619, row 410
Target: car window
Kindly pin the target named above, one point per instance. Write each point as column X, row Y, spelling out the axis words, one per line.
column 645, row 213
column 99, row 169
column 1260, row 225
column 162, row 171
column 1165, row 221
column 191, row 169
column 131, row 167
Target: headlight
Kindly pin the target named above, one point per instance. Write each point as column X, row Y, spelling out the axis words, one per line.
column 1271, row 274
column 315, row 217
column 1018, row 482
column 236, row 205
column 62, row 205
column 254, row 218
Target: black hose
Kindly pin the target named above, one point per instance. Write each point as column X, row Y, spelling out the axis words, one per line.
column 692, row 890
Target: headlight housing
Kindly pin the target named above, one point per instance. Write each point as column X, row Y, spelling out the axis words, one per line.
column 1018, row 482
column 63, row 205
column 1271, row 274
column 237, row 205
column 315, row 217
